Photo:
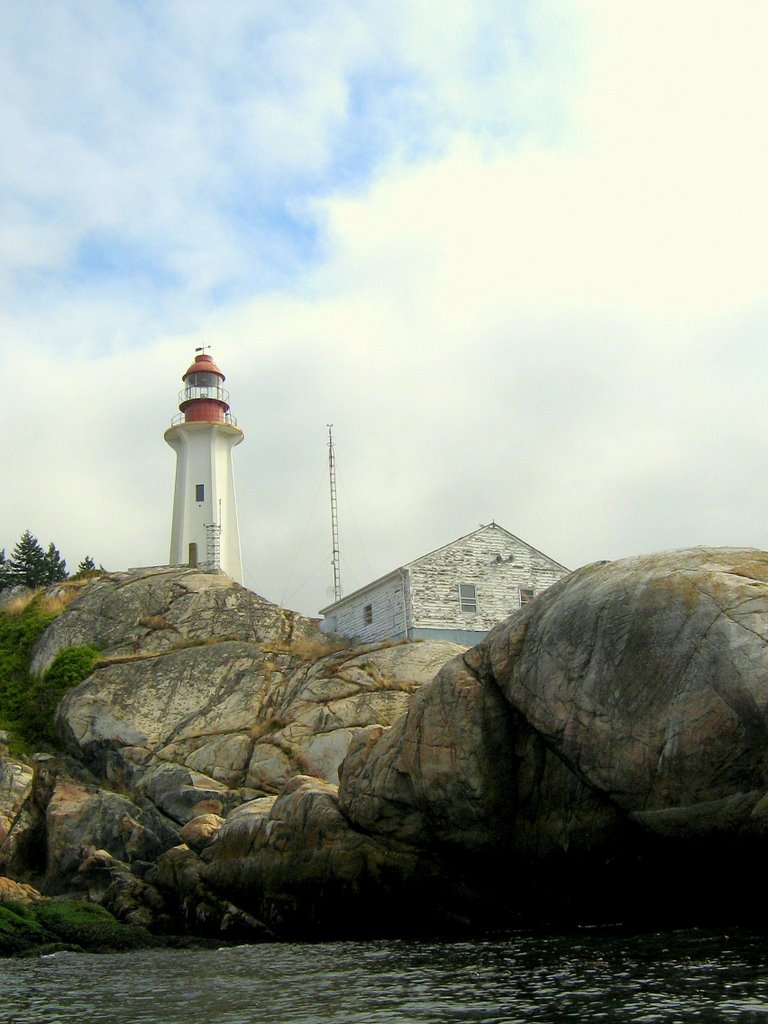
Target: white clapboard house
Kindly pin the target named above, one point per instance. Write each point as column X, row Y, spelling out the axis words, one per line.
column 457, row 592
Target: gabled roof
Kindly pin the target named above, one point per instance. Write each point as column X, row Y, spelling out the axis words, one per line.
column 489, row 526
column 422, row 558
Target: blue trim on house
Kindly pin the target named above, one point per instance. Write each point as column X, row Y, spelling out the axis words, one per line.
column 456, row 636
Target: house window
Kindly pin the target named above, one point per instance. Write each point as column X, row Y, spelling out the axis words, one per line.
column 467, row 597
column 526, row 596
column 199, row 492
column 368, row 614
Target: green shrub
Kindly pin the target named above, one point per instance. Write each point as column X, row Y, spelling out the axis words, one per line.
column 27, row 706
column 18, row 633
column 70, row 667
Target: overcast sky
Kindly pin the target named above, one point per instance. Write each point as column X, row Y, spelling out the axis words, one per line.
column 514, row 251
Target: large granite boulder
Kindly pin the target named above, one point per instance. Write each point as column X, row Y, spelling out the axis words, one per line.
column 296, row 863
column 205, row 698
column 81, row 818
column 648, row 678
column 262, row 698
column 609, row 741
column 16, row 785
column 151, row 611
column 602, row 755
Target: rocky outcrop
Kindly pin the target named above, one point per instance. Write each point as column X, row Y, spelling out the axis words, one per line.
column 16, row 785
column 80, row 818
column 205, row 699
column 602, row 755
column 151, row 611
column 18, row 892
column 611, row 733
column 296, row 864
column 199, row 672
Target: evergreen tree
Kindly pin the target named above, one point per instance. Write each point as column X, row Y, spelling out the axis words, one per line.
column 27, row 562
column 31, row 566
column 87, row 565
column 5, row 571
column 55, row 565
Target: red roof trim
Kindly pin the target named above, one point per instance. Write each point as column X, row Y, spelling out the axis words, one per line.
column 203, row 364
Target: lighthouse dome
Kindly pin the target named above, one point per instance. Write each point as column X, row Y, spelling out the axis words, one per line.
column 203, row 399
column 204, row 366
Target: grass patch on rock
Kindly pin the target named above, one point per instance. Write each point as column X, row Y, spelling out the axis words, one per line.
column 89, row 925
column 53, row 925
column 308, row 649
column 19, row 929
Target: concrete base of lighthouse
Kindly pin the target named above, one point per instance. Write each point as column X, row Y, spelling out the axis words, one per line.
column 204, row 528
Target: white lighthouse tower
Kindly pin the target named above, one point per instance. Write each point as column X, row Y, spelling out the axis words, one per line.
column 204, row 531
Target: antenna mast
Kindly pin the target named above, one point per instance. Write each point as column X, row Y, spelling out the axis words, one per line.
column 334, row 516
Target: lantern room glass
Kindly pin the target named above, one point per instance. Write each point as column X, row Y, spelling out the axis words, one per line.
column 203, row 380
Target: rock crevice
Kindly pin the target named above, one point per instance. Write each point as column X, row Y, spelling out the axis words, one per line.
column 601, row 755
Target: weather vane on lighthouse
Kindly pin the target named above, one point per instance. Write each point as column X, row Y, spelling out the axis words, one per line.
column 204, row 528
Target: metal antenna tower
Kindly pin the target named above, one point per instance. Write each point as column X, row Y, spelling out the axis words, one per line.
column 334, row 516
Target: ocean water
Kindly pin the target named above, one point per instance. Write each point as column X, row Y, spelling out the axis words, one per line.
column 586, row 976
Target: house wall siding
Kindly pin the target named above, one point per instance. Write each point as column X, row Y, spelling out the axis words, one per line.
column 424, row 595
column 386, row 601
column 495, row 562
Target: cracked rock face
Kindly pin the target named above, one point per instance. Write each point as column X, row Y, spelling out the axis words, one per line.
column 633, row 689
column 245, row 714
column 206, row 698
column 647, row 677
column 16, row 785
column 603, row 750
column 200, row 673
column 159, row 609
column 619, row 720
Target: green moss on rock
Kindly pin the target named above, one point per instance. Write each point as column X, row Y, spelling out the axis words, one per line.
column 73, row 925
column 19, row 930
column 89, row 925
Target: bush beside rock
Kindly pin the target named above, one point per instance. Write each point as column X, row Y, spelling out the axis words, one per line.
column 52, row 925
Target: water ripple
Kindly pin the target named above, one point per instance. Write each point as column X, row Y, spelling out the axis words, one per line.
column 650, row 979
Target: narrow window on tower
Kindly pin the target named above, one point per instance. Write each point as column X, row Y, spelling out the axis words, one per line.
column 199, row 492
column 368, row 614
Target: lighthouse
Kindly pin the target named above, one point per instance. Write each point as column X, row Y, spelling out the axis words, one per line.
column 204, row 530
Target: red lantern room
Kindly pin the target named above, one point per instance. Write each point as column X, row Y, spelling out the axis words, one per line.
column 203, row 399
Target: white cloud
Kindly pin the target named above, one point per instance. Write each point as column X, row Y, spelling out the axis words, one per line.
column 535, row 289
